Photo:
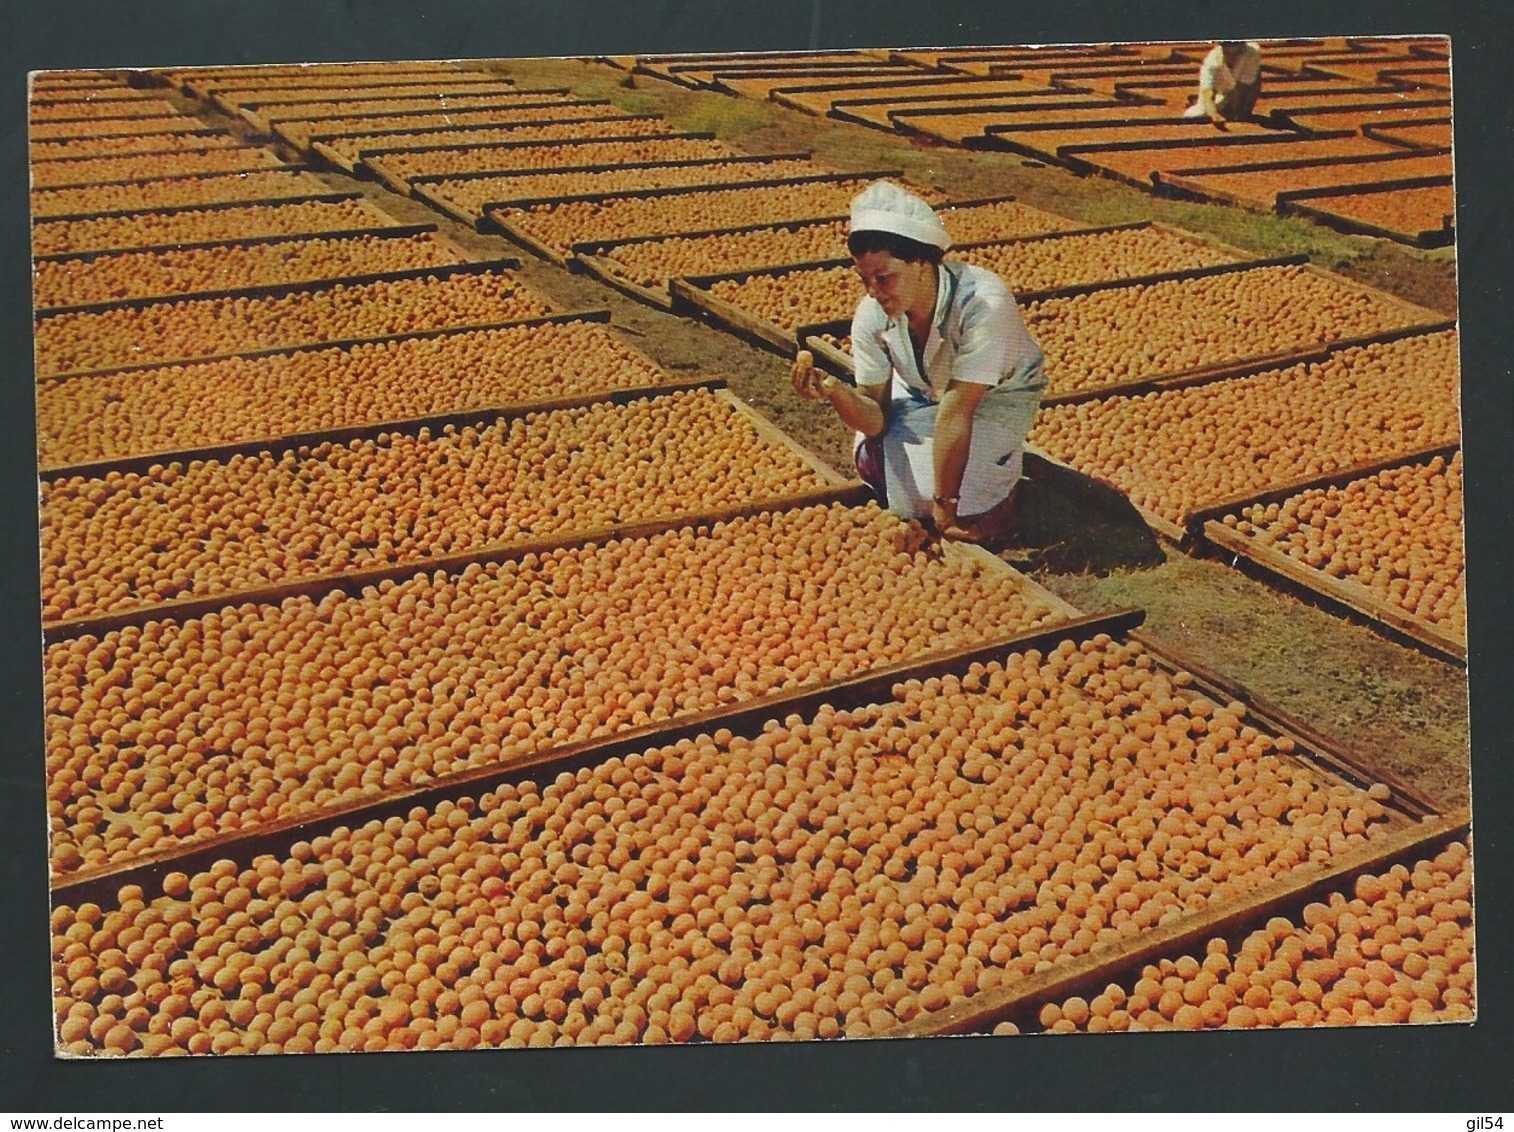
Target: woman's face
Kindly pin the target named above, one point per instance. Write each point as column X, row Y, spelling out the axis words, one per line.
column 898, row 285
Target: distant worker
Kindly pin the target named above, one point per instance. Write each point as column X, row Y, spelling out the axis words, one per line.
column 948, row 378
column 1230, row 78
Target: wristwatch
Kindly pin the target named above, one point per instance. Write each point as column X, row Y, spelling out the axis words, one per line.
column 943, row 500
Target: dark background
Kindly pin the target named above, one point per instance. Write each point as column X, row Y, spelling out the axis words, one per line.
column 1457, row 1068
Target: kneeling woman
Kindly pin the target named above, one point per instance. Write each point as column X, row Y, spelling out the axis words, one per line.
column 947, row 376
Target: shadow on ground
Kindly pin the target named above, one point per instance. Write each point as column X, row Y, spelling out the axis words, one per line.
column 1067, row 524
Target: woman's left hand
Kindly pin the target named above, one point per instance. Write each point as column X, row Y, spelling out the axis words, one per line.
column 948, row 525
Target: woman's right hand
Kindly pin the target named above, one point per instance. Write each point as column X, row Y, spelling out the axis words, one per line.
column 808, row 382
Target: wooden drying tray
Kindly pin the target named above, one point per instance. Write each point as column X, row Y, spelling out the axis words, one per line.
column 155, row 112
column 215, row 88
column 1425, row 322
column 1366, row 162
column 840, row 363
column 595, row 314
column 1342, row 591
column 122, row 94
column 886, row 90
column 262, row 116
column 921, row 120
column 1387, row 131
column 1294, row 115
column 333, row 197
column 252, row 151
column 324, row 147
column 1188, row 934
column 728, row 80
column 612, row 194
column 1183, row 533
column 102, row 883
column 281, row 289
column 686, row 70
column 154, row 137
column 942, row 57
column 404, row 231
column 369, row 430
column 296, row 132
column 231, row 95
column 837, row 487
column 377, row 166
column 596, row 257
column 375, row 229
column 307, row 193
column 1062, row 141
column 156, row 126
column 414, row 185
column 1420, row 78
column 200, row 81
column 492, row 220
column 1315, row 207
column 1091, row 159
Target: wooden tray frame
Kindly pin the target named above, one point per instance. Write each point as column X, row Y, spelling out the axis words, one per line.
column 371, row 429
column 1341, row 591
column 401, row 232
column 1015, row 139
column 70, row 628
column 1120, row 961
column 252, row 150
column 595, row 257
column 227, row 242
column 1074, row 155
column 1183, row 534
column 262, row 116
column 292, row 132
column 202, row 132
column 473, row 267
column 493, row 221
column 1313, row 207
column 322, row 146
column 564, row 198
column 311, row 193
column 413, row 186
column 266, row 123
column 747, row 717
